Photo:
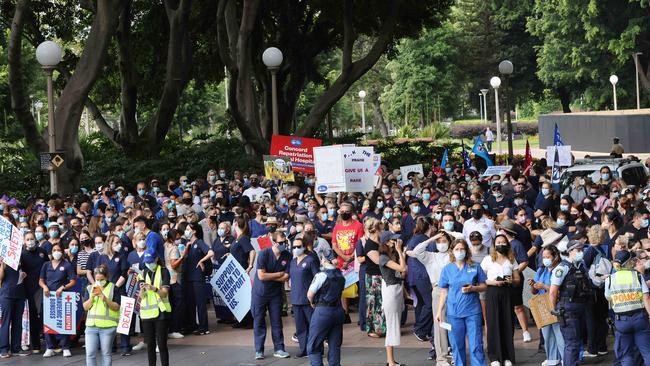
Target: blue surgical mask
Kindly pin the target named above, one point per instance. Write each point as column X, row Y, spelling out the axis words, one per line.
column 69, row 210
column 415, row 209
column 54, row 234
column 644, row 223
column 24, row 230
column 380, row 204
column 281, row 247
column 74, row 250
column 213, row 194
column 426, row 196
column 221, row 232
column 547, row 262
column 141, row 192
column 188, row 234
column 564, row 207
column 22, row 219
column 15, row 215
column 448, row 225
column 560, row 222
column 578, row 257
column 323, row 217
column 39, row 235
column 455, row 203
column 297, row 252
column 388, row 215
column 283, row 201
column 460, row 255
column 331, row 212
column 156, row 189
column 545, row 191
column 605, row 176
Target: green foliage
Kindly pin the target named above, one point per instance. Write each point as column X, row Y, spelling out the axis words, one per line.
column 19, row 171
column 394, row 155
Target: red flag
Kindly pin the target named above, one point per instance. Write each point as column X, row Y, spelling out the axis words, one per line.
column 528, row 160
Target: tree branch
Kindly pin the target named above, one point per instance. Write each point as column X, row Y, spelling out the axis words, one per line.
column 349, row 36
column 128, row 131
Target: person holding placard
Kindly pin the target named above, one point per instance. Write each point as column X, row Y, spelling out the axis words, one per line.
column 57, row 276
column 103, row 315
column 155, row 308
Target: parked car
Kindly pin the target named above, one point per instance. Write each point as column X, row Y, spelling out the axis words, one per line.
column 632, row 172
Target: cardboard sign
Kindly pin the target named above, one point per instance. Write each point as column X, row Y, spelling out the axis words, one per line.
column 133, row 290
column 298, row 149
column 127, row 309
column 11, row 243
column 405, row 170
column 351, row 276
column 278, row 168
column 540, row 306
column 345, row 168
column 59, row 313
column 563, row 151
column 234, row 287
column 496, row 170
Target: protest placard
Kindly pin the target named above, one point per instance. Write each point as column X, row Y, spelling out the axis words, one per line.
column 564, row 153
column 540, row 306
column 496, row 170
column 527, row 274
column 127, row 309
column 278, row 168
column 345, row 168
column 133, row 290
column 234, row 287
column 298, row 149
column 11, row 243
column 405, row 170
column 59, row 313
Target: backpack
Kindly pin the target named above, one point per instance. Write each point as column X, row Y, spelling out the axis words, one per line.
column 600, row 269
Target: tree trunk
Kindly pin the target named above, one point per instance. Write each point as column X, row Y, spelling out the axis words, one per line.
column 378, row 117
column 128, row 131
column 73, row 97
column 565, row 99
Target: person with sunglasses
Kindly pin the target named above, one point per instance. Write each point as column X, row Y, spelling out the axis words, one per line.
column 268, row 286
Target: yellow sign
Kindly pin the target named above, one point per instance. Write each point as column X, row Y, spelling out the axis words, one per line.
column 57, row 160
column 278, row 167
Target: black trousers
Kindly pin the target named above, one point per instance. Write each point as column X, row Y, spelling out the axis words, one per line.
column 499, row 324
column 35, row 301
column 155, row 333
column 596, row 321
column 178, row 308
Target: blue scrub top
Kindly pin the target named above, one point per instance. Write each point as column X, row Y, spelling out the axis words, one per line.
column 59, row 276
column 301, row 274
column 543, row 275
column 154, row 241
column 324, row 227
column 240, row 250
column 31, row 262
column 219, row 248
column 197, row 251
column 266, row 260
column 116, row 266
column 134, row 258
column 460, row 305
column 416, row 270
column 257, row 229
column 10, row 288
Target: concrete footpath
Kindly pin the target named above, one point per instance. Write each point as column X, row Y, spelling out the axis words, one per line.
column 226, row 346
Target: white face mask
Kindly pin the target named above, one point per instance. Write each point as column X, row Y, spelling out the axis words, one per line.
column 142, row 244
column 442, row 247
column 57, row 255
column 99, row 247
column 116, row 248
column 102, row 283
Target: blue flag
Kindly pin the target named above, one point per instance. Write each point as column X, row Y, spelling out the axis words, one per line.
column 557, row 141
column 479, row 150
column 445, row 159
column 467, row 163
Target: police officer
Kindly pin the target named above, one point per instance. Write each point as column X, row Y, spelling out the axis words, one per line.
column 327, row 320
column 304, row 266
column 629, row 298
column 272, row 271
column 570, row 292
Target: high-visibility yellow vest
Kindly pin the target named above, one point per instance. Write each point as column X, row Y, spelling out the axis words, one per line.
column 100, row 315
column 152, row 303
column 626, row 291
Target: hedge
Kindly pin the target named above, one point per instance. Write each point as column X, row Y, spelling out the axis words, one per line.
column 471, row 130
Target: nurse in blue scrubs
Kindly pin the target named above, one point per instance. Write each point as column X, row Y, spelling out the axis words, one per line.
column 460, row 283
column 12, row 304
column 57, row 276
column 272, row 272
column 304, row 267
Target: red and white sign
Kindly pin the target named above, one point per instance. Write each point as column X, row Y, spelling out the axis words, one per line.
column 11, row 243
column 299, row 149
column 127, row 307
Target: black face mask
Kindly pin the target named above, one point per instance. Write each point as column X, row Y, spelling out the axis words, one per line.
column 272, row 228
column 466, row 215
column 502, row 249
column 87, row 242
column 187, row 201
column 172, row 187
column 477, row 213
column 293, row 206
column 255, row 183
column 346, row 216
column 588, row 206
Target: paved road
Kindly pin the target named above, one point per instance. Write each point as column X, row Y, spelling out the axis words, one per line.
column 233, row 347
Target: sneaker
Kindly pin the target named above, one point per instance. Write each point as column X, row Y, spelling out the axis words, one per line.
column 421, row 338
column 294, row 337
column 300, row 355
column 66, row 353
column 48, row 353
column 495, row 363
column 5, row 355
column 602, row 353
column 126, row 354
column 281, row 354
column 175, row 335
column 545, row 363
column 36, row 351
column 24, row 352
column 157, row 349
column 527, row 337
column 507, row 363
column 139, row 347
column 201, row 332
column 259, row 355
column 586, row 354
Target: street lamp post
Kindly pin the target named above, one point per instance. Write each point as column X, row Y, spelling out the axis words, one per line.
column 362, row 96
column 48, row 55
column 272, row 58
column 38, row 105
column 506, row 68
column 484, row 92
column 495, row 82
column 636, row 67
column 614, row 79
column 480, row 105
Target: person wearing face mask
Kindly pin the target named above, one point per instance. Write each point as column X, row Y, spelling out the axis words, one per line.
column 449, row 225
column 254, row 191
column 134, row 262
column 57, row 276
column 54, row 235
column 518, row 203
column 570, row 291
column 155, row 308
column 40, row 233
column 323, row 224
column 460, row 282
column 221, row 248
column 478, row 222
column 545, row 202
column 197, row 256
column 141, row 224
column 502, row 273
column 419, row 281
column 32, row 259
column 408, row 222
column 497, row 202
column 605, row 176
column 428, row 202
column 174, row 265
column 434, row 262
column 592, row 216
column 302, row 270
column 103, row 314
column 375, row 208
column 629, row 298
column 327, row 320
column 638, row 227
column 272, row 271
column 541, row 284
column 12, row 304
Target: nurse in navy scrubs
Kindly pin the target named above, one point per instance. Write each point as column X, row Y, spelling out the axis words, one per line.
column 32, row 259
column 57, row 276
column 304, row 267
column 12, row 304
column 197, row 254
column 272, row 272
